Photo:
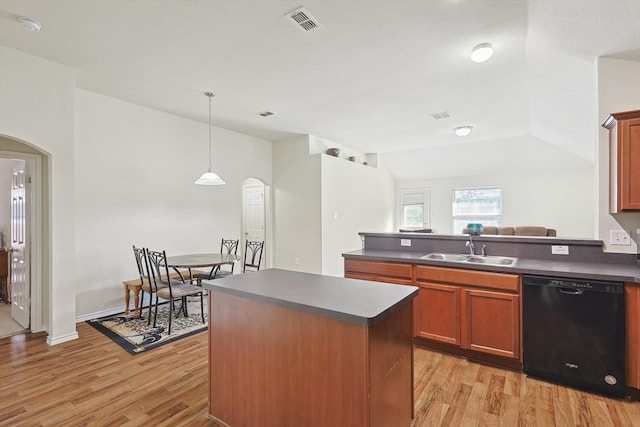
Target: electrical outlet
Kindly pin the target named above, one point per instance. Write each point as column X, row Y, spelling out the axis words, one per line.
column 559, row 250
column 335, row 215
column 297, row 261
column 620, row 237
column 405, row 242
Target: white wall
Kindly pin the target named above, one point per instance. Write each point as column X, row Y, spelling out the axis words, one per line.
column 560, row 200
column 618, row 90
column 562, row 98
column 309, row 188
column 37, row 107
column 297, row 206
column 355, row 198
column 135, row 172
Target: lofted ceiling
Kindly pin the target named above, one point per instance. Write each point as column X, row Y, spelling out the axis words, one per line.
column 369, row 78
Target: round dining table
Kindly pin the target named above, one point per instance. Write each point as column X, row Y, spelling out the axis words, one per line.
column 190, row 261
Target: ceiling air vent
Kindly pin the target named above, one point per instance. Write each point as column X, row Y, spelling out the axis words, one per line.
column 302, row 19
column 439, row 116
column 266, row 113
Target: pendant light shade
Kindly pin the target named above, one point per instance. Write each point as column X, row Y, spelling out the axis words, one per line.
column 210, row 177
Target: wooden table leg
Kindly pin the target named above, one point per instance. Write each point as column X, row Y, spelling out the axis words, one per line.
column 136, row 300
column 126, row 299
column 136, row 287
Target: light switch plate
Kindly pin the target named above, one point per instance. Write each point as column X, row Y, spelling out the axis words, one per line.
column 559, row 250
column 405, row 242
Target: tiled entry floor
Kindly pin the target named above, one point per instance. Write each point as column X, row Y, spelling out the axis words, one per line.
column 8, row 326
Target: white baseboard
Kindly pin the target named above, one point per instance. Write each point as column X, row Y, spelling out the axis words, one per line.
column 64, row 338
column 99, row 314
column 109, row 312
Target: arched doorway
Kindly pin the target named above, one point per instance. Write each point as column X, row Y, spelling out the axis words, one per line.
column 28, row 291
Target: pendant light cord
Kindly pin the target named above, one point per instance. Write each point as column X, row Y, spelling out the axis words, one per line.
column 210, row 177
column 210, row 95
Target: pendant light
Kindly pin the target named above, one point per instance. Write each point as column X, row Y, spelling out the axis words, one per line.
column 209, row 177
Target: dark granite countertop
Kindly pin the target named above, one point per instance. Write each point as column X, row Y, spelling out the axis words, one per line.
column 355, row 301
column 584, row 270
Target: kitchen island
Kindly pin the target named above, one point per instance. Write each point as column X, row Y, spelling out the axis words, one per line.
column 292, row 349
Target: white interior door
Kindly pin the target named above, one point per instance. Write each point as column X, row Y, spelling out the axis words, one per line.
column 253, row 199
column 19, row 275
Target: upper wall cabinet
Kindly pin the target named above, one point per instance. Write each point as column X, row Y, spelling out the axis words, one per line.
column 624, row 140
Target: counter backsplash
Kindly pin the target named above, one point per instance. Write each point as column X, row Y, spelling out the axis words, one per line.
column 580, row 250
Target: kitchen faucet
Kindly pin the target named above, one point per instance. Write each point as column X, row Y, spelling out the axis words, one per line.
column 470, row 245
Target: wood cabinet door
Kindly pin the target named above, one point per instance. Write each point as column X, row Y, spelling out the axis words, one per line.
column 491, row 322
column 437, row 313
column 629, row 164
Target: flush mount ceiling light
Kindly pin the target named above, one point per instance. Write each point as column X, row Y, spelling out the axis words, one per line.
column 30, row 24
column 463, row 130
column 482, row 52
column 209, row 177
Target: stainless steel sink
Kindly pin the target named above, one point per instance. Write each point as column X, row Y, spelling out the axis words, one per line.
column 476, row 259
column 445, row 257
column 492, row 260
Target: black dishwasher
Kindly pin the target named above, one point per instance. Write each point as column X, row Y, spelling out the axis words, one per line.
column 573, row 332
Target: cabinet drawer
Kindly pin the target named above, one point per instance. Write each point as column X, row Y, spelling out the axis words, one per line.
column 374, row 268
column 478, row 279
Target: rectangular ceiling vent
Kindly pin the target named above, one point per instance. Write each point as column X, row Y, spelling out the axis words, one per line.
column 302, row 19
column 440, row 116
column 266, row 113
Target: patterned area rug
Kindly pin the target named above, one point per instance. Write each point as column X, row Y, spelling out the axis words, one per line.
column 135, row 336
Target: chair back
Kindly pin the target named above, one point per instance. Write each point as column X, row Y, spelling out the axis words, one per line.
column 229, row 246
column 140, row 256
column 158, row 268
column 252, row 255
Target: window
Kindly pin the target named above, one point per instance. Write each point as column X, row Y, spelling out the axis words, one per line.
column 478, row 205
column 414, row 209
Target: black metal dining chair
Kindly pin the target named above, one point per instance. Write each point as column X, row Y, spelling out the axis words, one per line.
column 227, row 246
column 252, row 255
column 145, row 283
column 139, row 255
column 169, row 289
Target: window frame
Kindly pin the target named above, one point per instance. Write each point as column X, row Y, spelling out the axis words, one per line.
column 495, row 219
column 423, row 193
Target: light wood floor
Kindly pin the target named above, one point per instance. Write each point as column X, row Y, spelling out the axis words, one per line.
column 92, row 382
column 452, row 391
